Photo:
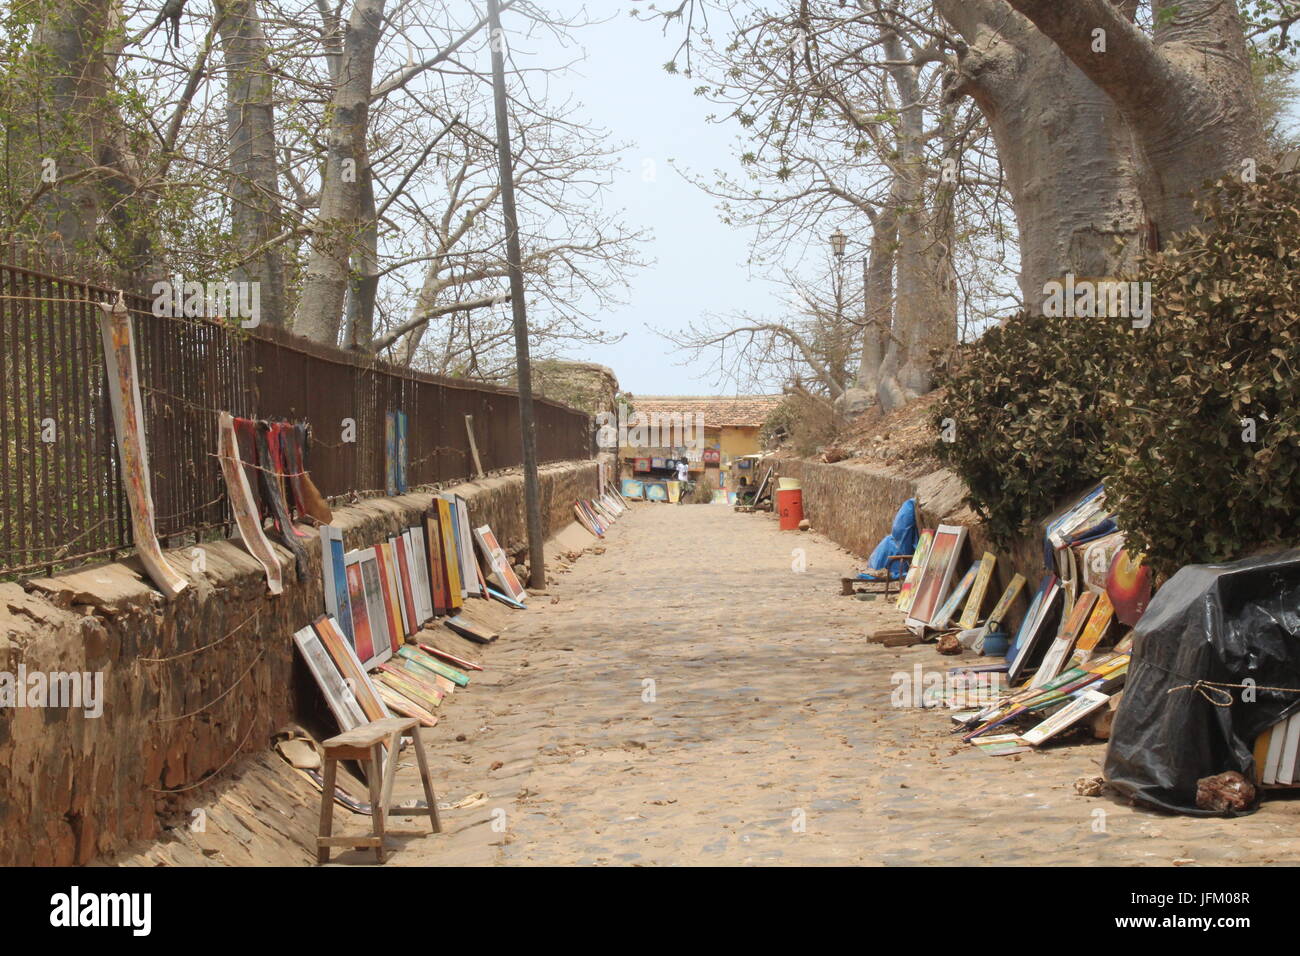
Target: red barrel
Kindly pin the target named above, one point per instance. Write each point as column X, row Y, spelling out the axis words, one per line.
column 789, row 505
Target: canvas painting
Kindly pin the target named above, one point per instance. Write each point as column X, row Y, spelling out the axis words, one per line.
column 1059, row 651
column 1102, row 614
column 381, row 647
column 1029, row 640
column 632, row 489
column 907, row 591
column 975, row 603
column 468, row 563
column 1003, row 607
column 495, row 556
column 336, row 582
column 451, row 563
column 342, row 704
column 420, row 579
column 345, row 660
column 937, row 573
column 361, row 637
column 433, row 564
column 387, row 571
column 656, row 491
column 943, row 616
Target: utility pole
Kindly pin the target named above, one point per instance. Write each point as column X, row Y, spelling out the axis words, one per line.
column 532, row 491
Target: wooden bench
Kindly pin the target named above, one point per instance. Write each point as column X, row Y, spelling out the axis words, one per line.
column 366, row 744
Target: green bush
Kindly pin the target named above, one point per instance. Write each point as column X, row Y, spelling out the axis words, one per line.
column 1221, row 358
column 1025, row 408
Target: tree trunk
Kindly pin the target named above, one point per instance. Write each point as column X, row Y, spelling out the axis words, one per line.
column 254, row 171
column 320, row 307
column 1186, row 92
column 1066, row 153
column 878, row 300
column 70, row 72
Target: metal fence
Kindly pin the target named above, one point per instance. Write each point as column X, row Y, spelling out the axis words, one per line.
column 61, row 494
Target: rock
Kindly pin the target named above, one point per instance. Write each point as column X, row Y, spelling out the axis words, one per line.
column 949, row 644
column 1224, row 791
column 1089, row 786
column 854, row 402
column 805, row 525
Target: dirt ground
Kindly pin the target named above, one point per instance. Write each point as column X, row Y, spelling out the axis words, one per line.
column 689, row 698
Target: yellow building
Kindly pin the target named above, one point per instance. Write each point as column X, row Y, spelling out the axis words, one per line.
column 714, row 433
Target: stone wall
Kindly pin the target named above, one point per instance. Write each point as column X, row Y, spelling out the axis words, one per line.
column 854, row 505
column 187, row 686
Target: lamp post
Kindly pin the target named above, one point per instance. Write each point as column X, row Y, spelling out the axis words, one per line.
column 839, row 242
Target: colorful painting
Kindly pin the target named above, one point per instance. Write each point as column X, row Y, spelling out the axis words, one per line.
column 133, row 454
column 362, row 642
column 345, row 659
column 376, row 608
column 419, row 576
column 674, row 491
column 1003, row 607
column 502, row 574
column 641, row 465
column 907, row 593
column 974, row 604
column 450, row 562
column 1059, row 651
column 342, row 704
column 242, row 504
column 405, row 570
column 437, row 573
column 943, row 616
column 632, row 489
column 940, row 562
column 1098, row 623
column 1035, row 627
column 332, row 563
column 386, row 570
column 1129, row 586
column 469, row 575
column 656, row 491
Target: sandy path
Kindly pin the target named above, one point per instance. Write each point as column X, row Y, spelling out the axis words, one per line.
column 769, row 736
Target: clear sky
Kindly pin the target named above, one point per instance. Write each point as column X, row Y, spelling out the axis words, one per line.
column 697, row 263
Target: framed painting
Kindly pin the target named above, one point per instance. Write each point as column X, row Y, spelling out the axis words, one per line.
column 405, row 564
column 381, row 644
column 944, row 615
column 345, row 660
column 1003, row 607
column 1059, row 651
column 387, row 592
column 656, row 491
column 937, row 574
column 361, row 636
column 1029, row 640
column 465, row 542
column 495, row 555
column 450, row 561
column 907, row 591
column 632, row 489
column 419, row 577
column 336, row 582
column 970, row 615
column 338, row 696
column 433, row 562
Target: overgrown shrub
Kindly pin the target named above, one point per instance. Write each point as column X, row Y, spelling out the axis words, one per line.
column 1204, row 442
column 1024, row 410
column 803, row 423
column 702, row 494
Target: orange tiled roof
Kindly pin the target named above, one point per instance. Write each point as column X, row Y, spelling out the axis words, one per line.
column 716, row 410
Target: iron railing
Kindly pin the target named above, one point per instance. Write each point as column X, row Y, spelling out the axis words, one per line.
column 61, row 495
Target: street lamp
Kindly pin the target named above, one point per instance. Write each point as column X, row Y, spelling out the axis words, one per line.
column 838, row 242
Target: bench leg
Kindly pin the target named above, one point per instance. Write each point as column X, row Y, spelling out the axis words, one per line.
column 390, row 770
column 326, row 808
column 377, row 798
column 429, row 796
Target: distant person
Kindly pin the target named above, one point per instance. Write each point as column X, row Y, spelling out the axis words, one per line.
column 683, row 470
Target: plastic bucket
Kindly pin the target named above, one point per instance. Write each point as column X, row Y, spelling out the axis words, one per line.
column 789, row 505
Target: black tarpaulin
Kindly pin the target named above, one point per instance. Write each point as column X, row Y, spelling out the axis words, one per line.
column 1223, row 624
